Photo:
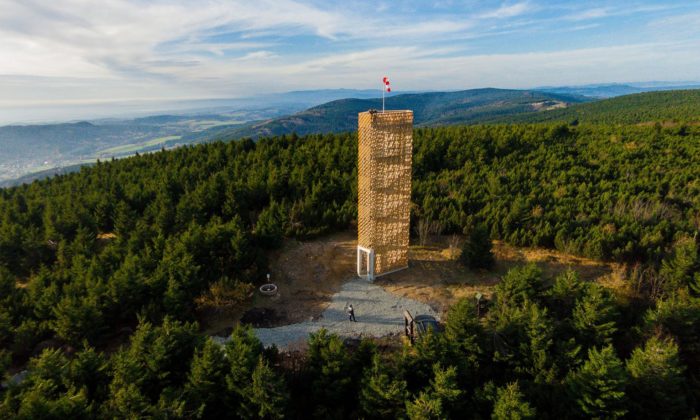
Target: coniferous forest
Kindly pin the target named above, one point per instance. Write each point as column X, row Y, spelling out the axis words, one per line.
column 133, row 244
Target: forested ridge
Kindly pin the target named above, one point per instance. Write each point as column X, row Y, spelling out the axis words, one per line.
column 675, row 106
column 140, row 242
column 429, row 109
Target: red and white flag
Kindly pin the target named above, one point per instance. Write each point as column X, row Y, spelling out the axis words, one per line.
column 387, row 86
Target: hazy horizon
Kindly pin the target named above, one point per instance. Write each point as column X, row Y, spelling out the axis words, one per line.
column 96, row 110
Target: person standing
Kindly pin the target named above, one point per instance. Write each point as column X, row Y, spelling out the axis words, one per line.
column 351, row 313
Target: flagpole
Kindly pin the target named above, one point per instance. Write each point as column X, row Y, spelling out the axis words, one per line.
column 383, row 91
column 385, row 88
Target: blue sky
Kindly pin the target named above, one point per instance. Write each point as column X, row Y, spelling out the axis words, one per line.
column 81, row 52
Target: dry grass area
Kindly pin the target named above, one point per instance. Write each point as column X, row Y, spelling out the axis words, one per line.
column 435, row 277
column 309, row 273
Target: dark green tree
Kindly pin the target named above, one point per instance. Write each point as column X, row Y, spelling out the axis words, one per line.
column 267, row 396
column 383, row 393
column 330, row 375
column 89, row 371
column 5, row 361
column 242, row 351
column 657, row 385
column 425, row 407
column 682, row 267
column 417, row 361
column 523, row 340
column 518, row 285
column 477, row 248
column 46, row 392
column 269, row 227
column 464, row 331
column 594, row 316
column 444, row 387
column 679, row 316
column 565, row 292
column 511, row 405
column 206, row 380
column 78, row 318
column 598, row 387
column 155, row 363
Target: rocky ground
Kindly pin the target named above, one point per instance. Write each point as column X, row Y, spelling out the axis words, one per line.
column 378, row 313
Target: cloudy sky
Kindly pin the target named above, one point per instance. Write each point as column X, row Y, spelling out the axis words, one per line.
column 63, row 53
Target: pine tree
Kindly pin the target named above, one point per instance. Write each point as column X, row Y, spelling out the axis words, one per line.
column 598, row 387
column 681, row 268
column 425, row 407
column 656, row 388
column 156, row 361
column 537, row 350
column 477, row 249
column 268, row 228
column 567, row 289
column 464, row 331
column 510, row 404
column 594, row 316
column 267, row 396
column 36, row 404
column 678, row 315
column 383, row 394
column 524, row 340
column 242, row 351
column 77, row 318
column 90, row 371
column 331, row 377
column 445, row 388
column 417, row 361
column 5, row 361
column 46, row 392
column 207, row 380
column 518, row 285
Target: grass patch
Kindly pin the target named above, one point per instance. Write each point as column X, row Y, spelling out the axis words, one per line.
column 136, row 147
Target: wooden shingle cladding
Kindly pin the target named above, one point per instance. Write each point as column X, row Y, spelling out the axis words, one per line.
column 385, row 141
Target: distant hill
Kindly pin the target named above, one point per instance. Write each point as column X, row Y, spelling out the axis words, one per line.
column 611, row 90
column 33, row 148
column 285, row 102
column 29, row 178
column 48, row 147
column 26, row 149
column 432, row 108
column 663, row 106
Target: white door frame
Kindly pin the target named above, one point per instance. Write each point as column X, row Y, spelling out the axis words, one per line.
column 368, row 255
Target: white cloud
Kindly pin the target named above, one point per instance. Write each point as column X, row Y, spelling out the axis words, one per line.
column 595, row 13
column 508, row 11
column 81, row 51
column 626, row 10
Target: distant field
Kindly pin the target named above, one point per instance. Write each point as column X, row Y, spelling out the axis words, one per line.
column 136, row 147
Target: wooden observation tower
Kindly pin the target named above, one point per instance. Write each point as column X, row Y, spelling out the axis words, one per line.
column 385, row 142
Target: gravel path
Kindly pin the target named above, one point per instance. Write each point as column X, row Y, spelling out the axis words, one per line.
column 377, row 311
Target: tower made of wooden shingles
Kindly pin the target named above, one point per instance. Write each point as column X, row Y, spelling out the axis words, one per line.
column 385, row 141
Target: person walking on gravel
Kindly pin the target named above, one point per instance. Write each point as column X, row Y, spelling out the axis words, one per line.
column 351, row 313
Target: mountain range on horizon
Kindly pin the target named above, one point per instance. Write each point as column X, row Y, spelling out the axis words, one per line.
column 284, row 103
column 45, row 149
column 611, row 90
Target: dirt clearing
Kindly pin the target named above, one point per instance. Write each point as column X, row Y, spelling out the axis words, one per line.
column 309, row 273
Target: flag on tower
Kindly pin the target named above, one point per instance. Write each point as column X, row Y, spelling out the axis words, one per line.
column 387, row 88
